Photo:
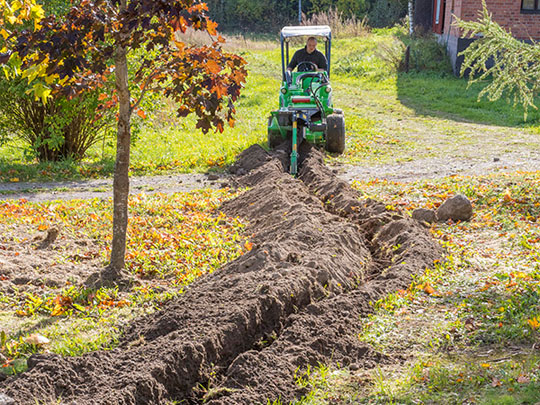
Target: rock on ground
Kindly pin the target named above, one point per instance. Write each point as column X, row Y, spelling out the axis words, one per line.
column 457, row 208
column 424, row 215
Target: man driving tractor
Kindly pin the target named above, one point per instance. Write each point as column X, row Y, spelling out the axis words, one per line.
column 308, row 56
column 306, row 112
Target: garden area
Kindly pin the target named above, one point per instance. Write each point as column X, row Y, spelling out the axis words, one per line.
column 245, row 285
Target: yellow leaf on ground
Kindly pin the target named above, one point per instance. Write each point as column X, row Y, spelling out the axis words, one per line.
column 534, row 323
column 58, row 310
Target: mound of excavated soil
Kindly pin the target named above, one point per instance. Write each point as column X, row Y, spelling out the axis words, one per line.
column 238, row 336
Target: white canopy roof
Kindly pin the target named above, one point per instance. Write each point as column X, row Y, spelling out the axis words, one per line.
column 301, row 30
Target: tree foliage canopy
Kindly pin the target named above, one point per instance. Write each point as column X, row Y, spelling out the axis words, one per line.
column 271, row 15
column 512, row 66
column 75, row 53
column 78, row 51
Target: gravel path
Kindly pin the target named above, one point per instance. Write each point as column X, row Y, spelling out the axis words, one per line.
column 437, row 168
column 405, row 172
column 102, row 188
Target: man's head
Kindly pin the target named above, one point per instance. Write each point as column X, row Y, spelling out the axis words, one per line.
column 311, row 44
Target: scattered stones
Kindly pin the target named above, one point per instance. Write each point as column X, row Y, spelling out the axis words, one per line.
column 457, row 208
column 424, row 215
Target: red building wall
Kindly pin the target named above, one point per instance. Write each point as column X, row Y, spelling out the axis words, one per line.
column 506, row 13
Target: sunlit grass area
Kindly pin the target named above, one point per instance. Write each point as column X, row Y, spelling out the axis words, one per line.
column 470, row 326
column 390, row 116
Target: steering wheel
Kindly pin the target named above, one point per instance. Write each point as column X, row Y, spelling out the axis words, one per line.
column 307, row 67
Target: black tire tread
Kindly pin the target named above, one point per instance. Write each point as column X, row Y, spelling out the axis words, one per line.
column 335, row 133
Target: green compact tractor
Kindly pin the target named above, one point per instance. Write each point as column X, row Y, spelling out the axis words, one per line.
column 305, row 101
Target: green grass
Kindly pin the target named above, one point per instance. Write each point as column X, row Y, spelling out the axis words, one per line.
column 468, row 327
column 389, row 116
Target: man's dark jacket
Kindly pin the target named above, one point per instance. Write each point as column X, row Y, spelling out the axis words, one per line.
column 302, row 55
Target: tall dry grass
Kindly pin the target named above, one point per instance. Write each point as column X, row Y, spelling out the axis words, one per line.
column 232, row 42
column 341, row 26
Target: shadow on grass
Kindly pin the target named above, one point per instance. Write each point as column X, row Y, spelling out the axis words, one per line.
column 443, row 95
column 15, row 172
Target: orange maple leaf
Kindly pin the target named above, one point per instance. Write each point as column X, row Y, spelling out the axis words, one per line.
column 213, row 67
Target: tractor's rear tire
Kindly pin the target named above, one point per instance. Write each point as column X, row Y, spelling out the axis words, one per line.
column 335, row 133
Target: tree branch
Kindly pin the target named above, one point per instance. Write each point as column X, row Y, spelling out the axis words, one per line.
column 145, row 88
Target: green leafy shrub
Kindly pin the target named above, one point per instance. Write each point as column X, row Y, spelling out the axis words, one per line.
column 385, row 13
column 425, row 54
column 349, row 8
column 58, row 129
column 343, row 25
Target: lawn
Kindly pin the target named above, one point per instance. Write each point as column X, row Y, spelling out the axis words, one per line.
column 390, row 117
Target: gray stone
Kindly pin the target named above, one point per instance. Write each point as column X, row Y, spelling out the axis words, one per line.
column 424, row 215
column 457, row 208
column 5, row 400
column 213, row 177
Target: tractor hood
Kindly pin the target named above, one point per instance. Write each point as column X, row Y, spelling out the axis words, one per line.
column 313, row 30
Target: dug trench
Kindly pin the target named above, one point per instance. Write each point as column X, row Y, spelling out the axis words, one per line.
column 319, row 255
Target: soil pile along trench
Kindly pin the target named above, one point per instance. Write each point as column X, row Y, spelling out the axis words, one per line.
column 239, row 335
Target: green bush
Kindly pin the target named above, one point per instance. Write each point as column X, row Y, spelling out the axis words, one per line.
column 386, row 13
column 56, row 7
column 427, row 54
column 55, row 130
column 272, row 15
column 348, row 8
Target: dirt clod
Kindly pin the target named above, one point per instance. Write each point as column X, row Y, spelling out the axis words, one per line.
column 242, row 334
column 424, row 215
column 50, row 237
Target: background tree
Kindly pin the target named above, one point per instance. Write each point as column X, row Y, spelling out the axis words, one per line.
column 505, row 64
column 272, row 15
column 76, row 52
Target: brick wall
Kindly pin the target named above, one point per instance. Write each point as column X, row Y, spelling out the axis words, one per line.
column 507, row 13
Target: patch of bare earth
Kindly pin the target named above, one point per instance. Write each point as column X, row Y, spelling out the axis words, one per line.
column 31, row 259
column 239, row 335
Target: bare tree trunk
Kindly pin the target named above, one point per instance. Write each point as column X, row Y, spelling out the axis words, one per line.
column 121, row 169
column 411, row 17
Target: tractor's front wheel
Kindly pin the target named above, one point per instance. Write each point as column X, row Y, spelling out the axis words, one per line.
column 335, row 133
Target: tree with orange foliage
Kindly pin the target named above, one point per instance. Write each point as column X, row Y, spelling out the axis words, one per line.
column 94, row 39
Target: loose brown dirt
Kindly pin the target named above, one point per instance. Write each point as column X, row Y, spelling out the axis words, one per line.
column 242, row 334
